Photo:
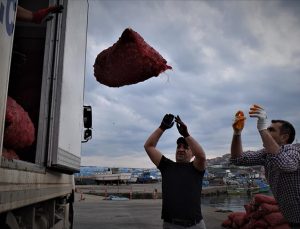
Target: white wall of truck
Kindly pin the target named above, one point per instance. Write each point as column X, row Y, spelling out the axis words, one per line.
column 39, row 193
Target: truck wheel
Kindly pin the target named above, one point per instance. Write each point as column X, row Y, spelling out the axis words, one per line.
column 71, row 215
column 3, row 221
column 8, row 221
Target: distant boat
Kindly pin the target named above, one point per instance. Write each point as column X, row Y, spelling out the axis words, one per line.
column 262, row 185
column 148, row 177
column 258, row 186
column 133, row 178
column 112, row 175
column 112, row 197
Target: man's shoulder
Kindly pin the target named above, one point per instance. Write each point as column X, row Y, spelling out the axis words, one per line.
column 297, row 145
column 291, row 147
column 164, row 161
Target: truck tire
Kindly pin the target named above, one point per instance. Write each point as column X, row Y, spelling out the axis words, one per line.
column 8, row 221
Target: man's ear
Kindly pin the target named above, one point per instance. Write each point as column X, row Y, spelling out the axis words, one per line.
column 284, row 138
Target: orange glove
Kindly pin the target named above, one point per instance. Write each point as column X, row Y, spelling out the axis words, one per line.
column 238, row 122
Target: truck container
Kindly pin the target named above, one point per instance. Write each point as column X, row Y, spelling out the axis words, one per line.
column 42, row 68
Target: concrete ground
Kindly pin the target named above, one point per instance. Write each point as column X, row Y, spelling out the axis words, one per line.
column 93, row 212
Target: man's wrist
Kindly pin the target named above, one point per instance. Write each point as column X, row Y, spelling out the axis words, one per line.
column 238, row 133
column 262, row 130
column 262, row 124
column 162, row 128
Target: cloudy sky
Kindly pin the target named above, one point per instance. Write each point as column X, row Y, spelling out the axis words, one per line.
column 226, row 55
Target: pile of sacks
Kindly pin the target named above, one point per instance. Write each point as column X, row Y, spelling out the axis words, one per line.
column 261, row 212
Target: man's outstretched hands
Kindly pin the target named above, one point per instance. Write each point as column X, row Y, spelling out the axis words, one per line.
column 182, row 128
column 46, row 14
column 167, row 122
column 258, row 112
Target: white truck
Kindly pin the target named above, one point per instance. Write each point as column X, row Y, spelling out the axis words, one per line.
column 42, row 67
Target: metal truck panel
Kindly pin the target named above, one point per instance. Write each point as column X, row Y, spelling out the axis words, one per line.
column 20, row 188
column 71, row 110
column 7, row 23
column 71, row 87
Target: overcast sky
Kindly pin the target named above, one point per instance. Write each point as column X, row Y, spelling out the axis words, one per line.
column 226, row 55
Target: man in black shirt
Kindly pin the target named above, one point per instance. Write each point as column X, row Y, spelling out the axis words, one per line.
column 181, row 180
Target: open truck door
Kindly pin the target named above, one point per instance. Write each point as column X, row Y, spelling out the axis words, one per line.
column 68, row 47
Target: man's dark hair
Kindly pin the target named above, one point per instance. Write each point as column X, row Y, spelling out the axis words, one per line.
column 286, row 128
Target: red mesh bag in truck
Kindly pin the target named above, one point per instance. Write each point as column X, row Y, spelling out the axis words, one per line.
column 129, row 61
column 9, row 154
column 19, row 130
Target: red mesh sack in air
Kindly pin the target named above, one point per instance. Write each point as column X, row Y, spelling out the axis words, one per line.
column 129, row 61
column 19, row 131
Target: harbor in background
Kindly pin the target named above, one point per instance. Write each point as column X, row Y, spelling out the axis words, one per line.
column 220, row 178
column 224, row 191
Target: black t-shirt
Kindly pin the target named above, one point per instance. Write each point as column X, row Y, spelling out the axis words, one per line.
column 181, row 190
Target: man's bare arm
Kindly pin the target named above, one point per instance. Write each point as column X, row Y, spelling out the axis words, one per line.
column 269, row 143
column 236, row 146
column 150, row 146
column 200, row 157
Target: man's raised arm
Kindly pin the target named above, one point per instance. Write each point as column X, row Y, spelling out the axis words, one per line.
column 150, row 145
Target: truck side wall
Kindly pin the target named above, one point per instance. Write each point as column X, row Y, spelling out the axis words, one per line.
column 7, row 19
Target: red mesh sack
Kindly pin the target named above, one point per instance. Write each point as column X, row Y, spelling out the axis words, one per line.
column 235, row 214
column 19, row 131
column 238, row 218
column 260, row 198
column 227, row 223
column 275, row 218
column 268, row 208
column 249, row 208
column 9, row 154
column 260, row 223
column 129, row 61
column 245, row 227
column 281, row 226
column 258, row 214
